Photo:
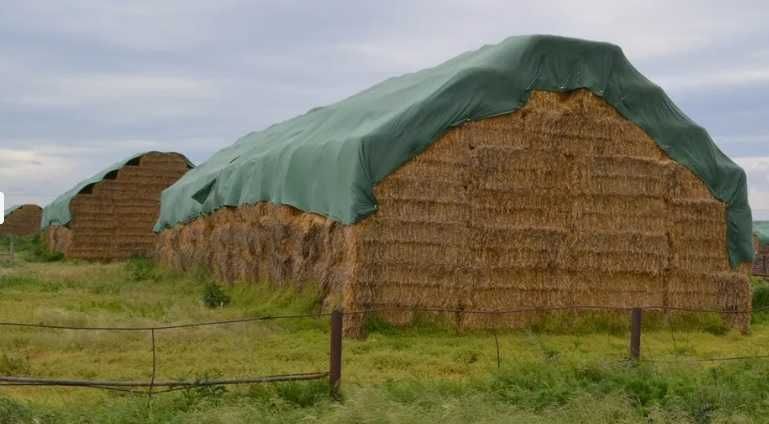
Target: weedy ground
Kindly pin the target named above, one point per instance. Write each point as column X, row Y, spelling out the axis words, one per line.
column 564, row 369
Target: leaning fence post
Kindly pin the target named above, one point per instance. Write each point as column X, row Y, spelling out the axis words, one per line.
column 635, row 334
column 335, row 361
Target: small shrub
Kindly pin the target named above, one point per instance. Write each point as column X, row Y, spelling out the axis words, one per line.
column 38, row 252
column 44, row 255
column 208, row 394
column 214, row 296
column 141, row 269
column 303, row 394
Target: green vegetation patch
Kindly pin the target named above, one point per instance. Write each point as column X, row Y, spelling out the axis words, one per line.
column 564, row 368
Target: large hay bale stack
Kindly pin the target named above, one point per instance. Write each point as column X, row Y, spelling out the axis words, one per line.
column 110, row 217
column 562, row 203
column 21, row 220
column 557, row 201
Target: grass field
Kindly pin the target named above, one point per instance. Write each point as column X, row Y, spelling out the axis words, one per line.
column 564, row 370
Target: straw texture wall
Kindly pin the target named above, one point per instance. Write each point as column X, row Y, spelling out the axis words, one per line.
column 113, row 219
column 561, row 203
column 266, row 242
column 761, row 261
column 22, row 222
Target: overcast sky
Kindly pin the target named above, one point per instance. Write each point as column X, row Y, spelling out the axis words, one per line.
column 86, row 83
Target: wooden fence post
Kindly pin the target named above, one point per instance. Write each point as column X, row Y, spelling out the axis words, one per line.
column 12, row 249
column 635, row 334
column 335, row 360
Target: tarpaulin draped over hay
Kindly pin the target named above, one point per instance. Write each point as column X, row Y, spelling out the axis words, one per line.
column 328, row 160
column 112, row 219
column 58, row 212
column 560, row 204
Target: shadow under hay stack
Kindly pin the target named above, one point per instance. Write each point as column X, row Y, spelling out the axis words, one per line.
column 110, row 216
column 21, row 220
column 559, row 200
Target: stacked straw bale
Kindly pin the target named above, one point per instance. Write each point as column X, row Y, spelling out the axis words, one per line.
column 23, row 221
column 264, row 242
column 761, row 261
column 113, row 219
column 562, row 203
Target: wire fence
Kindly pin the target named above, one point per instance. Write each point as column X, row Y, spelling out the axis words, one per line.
column 148, row 387
column 334, row 367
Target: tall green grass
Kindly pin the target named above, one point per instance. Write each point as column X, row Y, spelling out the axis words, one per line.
column 526, row 392
column 760, row 300
column 564, row 368
column 29, row 248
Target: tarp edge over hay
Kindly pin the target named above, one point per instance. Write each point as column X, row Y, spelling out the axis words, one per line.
column 328, row 160
column 58, row 212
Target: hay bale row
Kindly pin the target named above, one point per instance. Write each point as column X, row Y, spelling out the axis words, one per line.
column 265, row 242
column 600, row 226
column 112, row 219
column 23, row 220
column 561, row 203
column 761, row 261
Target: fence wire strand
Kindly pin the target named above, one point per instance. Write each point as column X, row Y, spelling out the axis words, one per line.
column 163, row 327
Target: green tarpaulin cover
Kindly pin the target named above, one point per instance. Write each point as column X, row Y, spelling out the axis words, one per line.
column 328, row 160
column 58, row 213
column 761, row 230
